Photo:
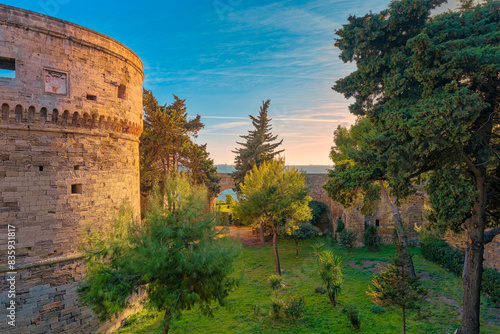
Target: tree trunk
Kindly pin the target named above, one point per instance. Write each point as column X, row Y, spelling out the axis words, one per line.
column 404, row 321
column 262, row 238
column 399, row 226
column 166, row 320
column 275, row 247
column 473, row 265
column 296, row 247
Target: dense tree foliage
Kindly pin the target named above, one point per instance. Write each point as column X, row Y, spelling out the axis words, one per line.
column 166, row 144
column 430, row 88
column 361, row 172
column 176, row 254
column 258, row 146
column 275, row 195
column 396, row 287
column 305, row 230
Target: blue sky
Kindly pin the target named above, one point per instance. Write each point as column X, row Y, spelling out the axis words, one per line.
column 226, row 56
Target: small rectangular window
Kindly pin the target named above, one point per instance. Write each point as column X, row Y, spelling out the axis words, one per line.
column 76, row 189
column 91, row 97
column 122, row 92
column 7, row 67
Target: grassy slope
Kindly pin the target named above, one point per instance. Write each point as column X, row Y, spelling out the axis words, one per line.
column 256, row 264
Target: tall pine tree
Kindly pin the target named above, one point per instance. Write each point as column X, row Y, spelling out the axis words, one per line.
column 258, row 148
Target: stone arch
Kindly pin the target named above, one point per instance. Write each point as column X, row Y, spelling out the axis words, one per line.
column 85, row 120
column 19, row 113
column 43, row 115
column 102, row 122
column 5, row 112
column 65, row 117
column 75, row 119
column 31, row 114
column 55, row 116
column 93, row 123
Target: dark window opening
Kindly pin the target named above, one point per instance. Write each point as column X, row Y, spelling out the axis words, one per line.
column 55, row 116
column 77, row 167
column 5, row 112
column 76, row 189
column 377, row 223
column 91, row 97
column 40, row 168
column 7, row 68
column 122, row 92
column 19, row 113
column 43, row 115
column 31, row 114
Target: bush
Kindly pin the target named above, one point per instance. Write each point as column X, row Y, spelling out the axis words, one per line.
column 276, row 306
column 340, row 226
column 438, row 251
column 377, row 309
column 348, row 239
column 229, row 199
column 371, row 238
column 352, row 313
column 320, row 289
column 317, row 209
column 294, row 307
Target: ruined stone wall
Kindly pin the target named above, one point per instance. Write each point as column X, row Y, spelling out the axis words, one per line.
column 69, row 126
column 412, row 212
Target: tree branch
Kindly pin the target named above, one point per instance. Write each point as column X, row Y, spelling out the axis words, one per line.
column 489, row 235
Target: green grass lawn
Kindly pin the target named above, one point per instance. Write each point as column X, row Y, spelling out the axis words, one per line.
column 249, row 304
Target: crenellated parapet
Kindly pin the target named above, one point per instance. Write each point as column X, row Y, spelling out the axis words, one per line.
column 44, row 119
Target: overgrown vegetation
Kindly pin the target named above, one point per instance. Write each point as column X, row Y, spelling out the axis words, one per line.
column 438, row 251
column 371, row 238
column 176, row 254
column 348, row 239
column 250, row 302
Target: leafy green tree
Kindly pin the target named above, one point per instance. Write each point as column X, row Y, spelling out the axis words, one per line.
column 275, row 195
column 175, row 254
column 201, row 168
column 430, row 87
column 258, row 146
column 166, row 140
column 396, row 287
column 330, row 271
column 305, row 230
column 361, row 171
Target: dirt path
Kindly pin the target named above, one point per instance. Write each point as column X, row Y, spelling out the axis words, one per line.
column 244, row 234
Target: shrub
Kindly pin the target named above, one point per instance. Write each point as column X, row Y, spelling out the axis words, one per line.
column 438, row 251
column 256, row 309
column 317, row 209
column 371, row 238
column 352, row 313
column 294, row 307
column 276, row 306
column 377, row 309
column 320, row 289
column 340, row 226
column 330, row 271
column 348, row 239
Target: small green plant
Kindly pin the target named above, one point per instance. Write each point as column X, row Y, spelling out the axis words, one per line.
column 352, row 313
column 371, row 238
column 229, row 199
column 275, row 283
column 348, row 239
column 330, row 271
column 256, row 309
column 340, row 226
column 294, row 307
column 320, row 289
column 377, row 309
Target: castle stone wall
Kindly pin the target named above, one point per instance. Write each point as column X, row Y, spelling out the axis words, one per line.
column 70, row 122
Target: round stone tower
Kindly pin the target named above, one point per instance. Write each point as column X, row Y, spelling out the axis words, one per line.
column 70, row 121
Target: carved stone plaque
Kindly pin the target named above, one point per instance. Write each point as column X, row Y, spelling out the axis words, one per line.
column 56, row 82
